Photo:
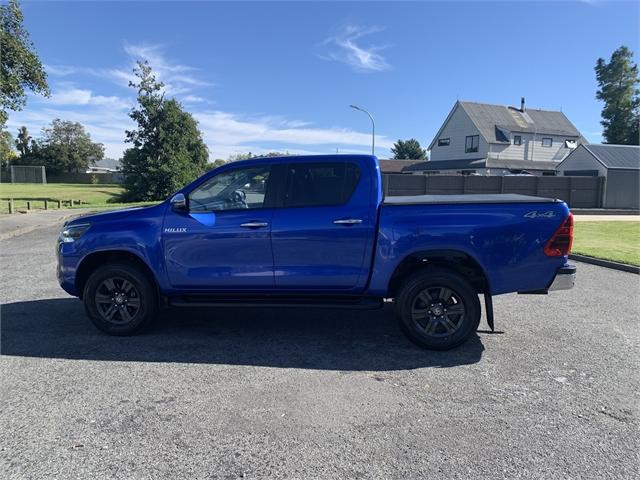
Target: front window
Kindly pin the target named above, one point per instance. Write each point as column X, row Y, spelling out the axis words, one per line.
column 471, row 143
column 232, row 190
column 547, row 141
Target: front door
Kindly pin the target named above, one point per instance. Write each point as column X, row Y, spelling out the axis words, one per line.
column 223, row 240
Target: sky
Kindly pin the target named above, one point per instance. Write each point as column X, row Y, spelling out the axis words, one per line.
column 280, row 76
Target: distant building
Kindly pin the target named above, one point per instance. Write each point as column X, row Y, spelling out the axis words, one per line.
column 397, row 166
column 480, row 138
column 620, row 164
column 106, row 165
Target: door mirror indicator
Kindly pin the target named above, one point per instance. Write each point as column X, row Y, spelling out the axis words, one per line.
column 179, row 203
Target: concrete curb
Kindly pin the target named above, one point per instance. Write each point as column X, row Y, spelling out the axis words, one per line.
column 604, row 211
column 606, row 263
column 30, row 228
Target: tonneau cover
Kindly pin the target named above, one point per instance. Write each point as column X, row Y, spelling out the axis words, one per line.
column 450, row 199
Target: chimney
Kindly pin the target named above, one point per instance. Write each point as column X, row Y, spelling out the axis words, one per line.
column 522, row 109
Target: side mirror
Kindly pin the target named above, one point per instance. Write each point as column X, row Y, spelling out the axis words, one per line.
column 179, row 203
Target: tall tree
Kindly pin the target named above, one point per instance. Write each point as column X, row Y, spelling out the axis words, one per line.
column 618, row 89
column 23, row 141
column 408, row 150
column 168, row 150
column 7, row 154
column 20, row 67
column 64, row 146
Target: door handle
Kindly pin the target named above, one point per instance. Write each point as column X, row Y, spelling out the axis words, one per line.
column 254, row 224
column 347, row 221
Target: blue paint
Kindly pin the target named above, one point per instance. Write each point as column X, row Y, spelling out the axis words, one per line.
column 302, row 249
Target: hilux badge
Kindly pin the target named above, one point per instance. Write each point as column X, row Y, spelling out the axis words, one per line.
column 175, row 230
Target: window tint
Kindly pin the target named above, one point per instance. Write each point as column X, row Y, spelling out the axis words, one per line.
column 471, row 143
column 310, row 185
column 232, row 190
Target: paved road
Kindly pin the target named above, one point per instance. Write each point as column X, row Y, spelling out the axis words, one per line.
column 282, row 394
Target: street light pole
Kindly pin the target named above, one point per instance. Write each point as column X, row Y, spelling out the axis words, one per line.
column 373, row 128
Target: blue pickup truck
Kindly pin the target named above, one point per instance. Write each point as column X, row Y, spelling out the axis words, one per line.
column 311, row 232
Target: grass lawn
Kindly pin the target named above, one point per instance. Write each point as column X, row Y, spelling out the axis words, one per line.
column 88, row 195
column 617, row 241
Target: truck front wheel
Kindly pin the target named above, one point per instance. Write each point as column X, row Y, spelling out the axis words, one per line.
column 438, row 309
column 120, row 299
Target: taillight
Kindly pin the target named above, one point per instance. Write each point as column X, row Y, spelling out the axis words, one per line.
column 560, row 242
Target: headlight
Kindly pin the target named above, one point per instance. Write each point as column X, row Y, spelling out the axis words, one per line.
column 71, row 233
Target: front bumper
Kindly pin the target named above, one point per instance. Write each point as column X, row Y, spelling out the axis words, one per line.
column 565, row 278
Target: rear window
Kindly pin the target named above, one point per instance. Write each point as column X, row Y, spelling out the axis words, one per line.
column 314, row 185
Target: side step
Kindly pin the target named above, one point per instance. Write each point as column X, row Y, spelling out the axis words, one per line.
column 277, row 301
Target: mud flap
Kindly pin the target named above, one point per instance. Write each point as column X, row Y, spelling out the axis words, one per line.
column 488, row 306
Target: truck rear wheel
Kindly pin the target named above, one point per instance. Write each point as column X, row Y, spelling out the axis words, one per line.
column 120, row 299
column 438, row 309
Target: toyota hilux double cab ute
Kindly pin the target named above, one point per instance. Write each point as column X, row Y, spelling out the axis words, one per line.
column 315, row 231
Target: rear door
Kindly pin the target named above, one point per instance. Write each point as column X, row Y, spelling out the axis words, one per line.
column 323, row 227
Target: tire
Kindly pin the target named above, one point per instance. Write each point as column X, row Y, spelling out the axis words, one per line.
column 120, row 299
column 438, row 309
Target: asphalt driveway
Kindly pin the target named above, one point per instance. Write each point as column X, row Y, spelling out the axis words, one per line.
column 266, row 393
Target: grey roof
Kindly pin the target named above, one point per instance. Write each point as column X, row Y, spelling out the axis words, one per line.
column 108, row 163
column 396, row 166
column 482, row 163
column 494, row 120
column 448, row 165
column 521, row 164
column 616, row 156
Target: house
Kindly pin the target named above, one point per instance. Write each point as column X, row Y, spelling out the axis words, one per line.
column 106, row 165
column 619, row 164
column 397, row 166
column 480, row 138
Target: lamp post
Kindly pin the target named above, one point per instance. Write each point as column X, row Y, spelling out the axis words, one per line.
column 373, row 128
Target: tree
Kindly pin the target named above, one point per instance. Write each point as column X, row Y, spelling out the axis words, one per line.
column 240, row 156
column 168, row 150
column 7, row 154
column 275, row 154
column 64, row 146
column 618, row 89
column 23, row 141
column 408, row 150
column 218, row 162
column 20, row 67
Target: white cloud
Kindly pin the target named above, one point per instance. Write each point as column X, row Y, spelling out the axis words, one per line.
column 60, row 70
column 77, row 96
column 106, row 116
column 347, row 47
column 224, row 131
column 178, row 78
column 193, row 99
